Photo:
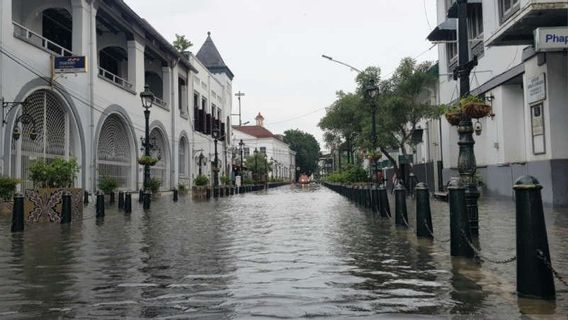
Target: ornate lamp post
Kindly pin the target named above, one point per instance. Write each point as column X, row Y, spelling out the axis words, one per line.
column 256, row 164
column 147, row 98
column 215, row 134
column 372, row 91
column 466, row 160
column 241, row 144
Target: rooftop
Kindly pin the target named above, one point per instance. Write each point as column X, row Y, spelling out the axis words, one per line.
column 255, row 131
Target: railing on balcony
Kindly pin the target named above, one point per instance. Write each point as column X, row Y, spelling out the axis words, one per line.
column 39, row 41
column 111, row 77
column 160, row 102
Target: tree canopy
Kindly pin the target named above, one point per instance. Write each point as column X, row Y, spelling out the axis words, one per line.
column 181, row 44
column 307, row 150
column 402, row 102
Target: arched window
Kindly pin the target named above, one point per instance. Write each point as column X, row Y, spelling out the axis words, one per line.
column 182, row 155
column 153, row 80
column 160, row 170
column 114, row 152
column 56, row 134
column 115, row 61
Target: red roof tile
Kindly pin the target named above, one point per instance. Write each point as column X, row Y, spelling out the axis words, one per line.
column 255, row 131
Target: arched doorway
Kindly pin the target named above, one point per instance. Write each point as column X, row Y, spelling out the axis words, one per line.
column 160, row 170
column 57, row 134
column 115, row 152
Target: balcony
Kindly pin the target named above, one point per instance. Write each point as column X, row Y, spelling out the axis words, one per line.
column 39, row 41
column 160, row 103
column 517, row 28
column 116, row 80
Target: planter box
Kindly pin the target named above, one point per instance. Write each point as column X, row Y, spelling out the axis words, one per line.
column 44, row 205
column 6, row 208
column 200, row 192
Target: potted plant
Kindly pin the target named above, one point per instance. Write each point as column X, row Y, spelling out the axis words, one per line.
column 147, row 160
column 182, row 188
column 200, row 185
column 452, row 113
column 108, row 185
column 154, row 186
column 7, row 190
column 51, row 180
column 474, row 107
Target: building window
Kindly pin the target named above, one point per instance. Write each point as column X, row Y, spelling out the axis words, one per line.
column 452, row 54
column 182, row 96
column 246, row 152
column 263, row 150
column 475, row 30
column 507, row 8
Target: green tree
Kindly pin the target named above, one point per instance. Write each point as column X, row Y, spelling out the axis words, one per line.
column 258, row 165
column 307, row 150
column 181, row 44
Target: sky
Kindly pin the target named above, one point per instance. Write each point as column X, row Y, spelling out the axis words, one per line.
column 274, row 47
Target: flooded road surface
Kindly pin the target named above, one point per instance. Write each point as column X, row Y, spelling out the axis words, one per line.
column 286, row 254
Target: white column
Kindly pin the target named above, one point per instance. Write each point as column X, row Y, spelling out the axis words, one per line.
column 167, row 87
column 136, row 65
column 80, row 38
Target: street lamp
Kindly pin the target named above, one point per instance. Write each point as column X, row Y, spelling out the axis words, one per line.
column 372, row 91
column 241, row 144
column 215, row 134
column 256, row 164
column 147, row 98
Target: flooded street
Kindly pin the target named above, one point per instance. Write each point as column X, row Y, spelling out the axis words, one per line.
column 283, row 254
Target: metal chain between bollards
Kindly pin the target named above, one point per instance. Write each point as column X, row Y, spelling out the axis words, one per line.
column 432, row 233
column 540, row 255
column 405, row 222
column 478, row 254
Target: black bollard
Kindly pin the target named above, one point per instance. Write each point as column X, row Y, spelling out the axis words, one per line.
column 128, row 202
column 121, row 200
column 18, row 213
column 401, row 215
column 423, row 213
column 147, row 200
column 376, row 201
column 112, row 200
column 384, row 200
column 66, row 208
column 100, row 205
column 176, row 198
column 86, row 197
column 459, row 222
column 141, row 196
column 222, row 192
column 534, row 277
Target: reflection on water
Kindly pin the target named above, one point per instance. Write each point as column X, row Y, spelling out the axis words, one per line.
column 293, row 252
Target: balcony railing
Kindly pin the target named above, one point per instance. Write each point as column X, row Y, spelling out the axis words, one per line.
column 111, row 77
column 39, row 41
column 160, row 103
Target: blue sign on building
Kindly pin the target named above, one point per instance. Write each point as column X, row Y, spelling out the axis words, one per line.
column 73, row 64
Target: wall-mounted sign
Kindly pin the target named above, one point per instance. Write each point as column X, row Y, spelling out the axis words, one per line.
column 537, row 126
column 536, row 89
column 551, row 39
column 74, row 64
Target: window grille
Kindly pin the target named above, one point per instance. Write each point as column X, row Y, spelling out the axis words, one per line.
column 114, row 158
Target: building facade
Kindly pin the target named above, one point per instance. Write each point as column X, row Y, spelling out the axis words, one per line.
column 524, row 77
column 277, row 152
column 97, row 116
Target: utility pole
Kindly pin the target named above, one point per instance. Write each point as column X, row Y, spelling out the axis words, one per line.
column 239, row 95
column 466, row 160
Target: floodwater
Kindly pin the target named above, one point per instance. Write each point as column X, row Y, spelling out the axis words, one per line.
column 287, row 253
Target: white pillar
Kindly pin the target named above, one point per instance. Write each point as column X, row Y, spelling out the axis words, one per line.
column 167, row 87
column 136, row 65
column 80, row 38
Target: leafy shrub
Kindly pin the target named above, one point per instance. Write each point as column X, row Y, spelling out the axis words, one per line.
column 182, row 187
column 225, row 180
column 350, row 174
column 201, row 181
column 58, row 173
column 147, row 160
column 248, row 181
column 107, row 184
column 154, row 184
column 7, row 188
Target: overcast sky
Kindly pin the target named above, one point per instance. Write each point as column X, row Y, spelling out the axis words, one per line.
column 274, row 47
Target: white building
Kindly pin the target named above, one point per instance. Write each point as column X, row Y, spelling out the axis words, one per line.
column 526, row 82
column 96, row 116
column 259, row 138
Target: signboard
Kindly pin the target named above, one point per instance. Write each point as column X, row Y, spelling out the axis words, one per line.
column 73, row 64
column 537, row 126
column 408, row 159
column 551, row 39
column 536, row 89
column 238, row 181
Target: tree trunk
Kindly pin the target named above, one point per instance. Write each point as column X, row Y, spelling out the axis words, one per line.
column 392, row 160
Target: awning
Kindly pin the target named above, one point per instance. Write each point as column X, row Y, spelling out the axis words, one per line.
column 445, row 31
column 453, row 10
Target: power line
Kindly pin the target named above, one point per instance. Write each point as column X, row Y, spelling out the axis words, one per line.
column 298, row 117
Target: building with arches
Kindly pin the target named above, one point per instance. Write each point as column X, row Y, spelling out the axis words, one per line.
column 96, row 116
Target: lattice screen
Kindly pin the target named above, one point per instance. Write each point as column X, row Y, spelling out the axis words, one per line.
column 160, row 169
column 53, row 133
column 114, row 157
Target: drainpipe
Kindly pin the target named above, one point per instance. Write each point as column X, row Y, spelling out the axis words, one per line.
column 94, row 70
column 2, row 127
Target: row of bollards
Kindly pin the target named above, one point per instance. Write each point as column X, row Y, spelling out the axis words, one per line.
column 535, row 275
